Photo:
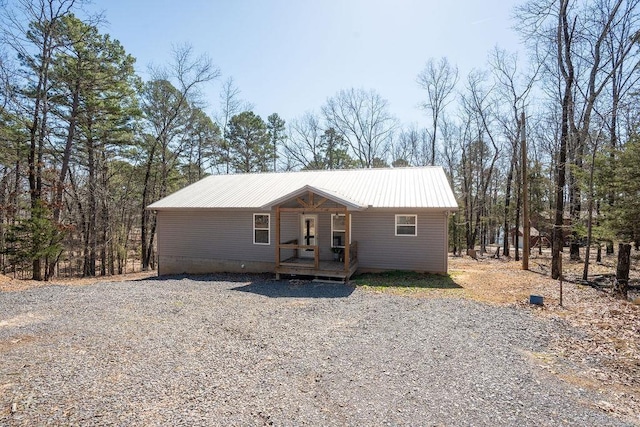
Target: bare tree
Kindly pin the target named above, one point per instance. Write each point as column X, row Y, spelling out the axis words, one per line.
column 439, row 80
column 411, row 147
column 404, row 146
column 167, row 107
column 230, row 104
column 310, row 146
column 363, row 119
column 578, row 35
column 304, row 145
column 514, row 87
column 480, row 153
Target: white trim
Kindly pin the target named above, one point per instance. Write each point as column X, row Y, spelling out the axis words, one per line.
column 415, row 225
column 268, row 229
column 342, row 231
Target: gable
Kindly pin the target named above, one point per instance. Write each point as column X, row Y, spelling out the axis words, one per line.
column 305, row 195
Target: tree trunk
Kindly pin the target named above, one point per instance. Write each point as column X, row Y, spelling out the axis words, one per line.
column 104, row 215
column 622, row 271
column 145, row 214
column 609, row 249
column 590, row 202
column 566, row 64
column 3, row 219
column 507, row 202
column 574, row 251
column 516, row 242
column 91, row 237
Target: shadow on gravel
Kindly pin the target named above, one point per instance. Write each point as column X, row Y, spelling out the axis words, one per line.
column 220, row 277
column 282, row 289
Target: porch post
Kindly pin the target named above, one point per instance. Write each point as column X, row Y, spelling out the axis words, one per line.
column 277, row 241
column 347, row 241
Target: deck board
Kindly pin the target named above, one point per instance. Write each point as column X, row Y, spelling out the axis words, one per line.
column 305, row 267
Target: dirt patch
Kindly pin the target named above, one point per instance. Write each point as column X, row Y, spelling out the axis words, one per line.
column 9, row 284
column 15, row 341
column 21, row 320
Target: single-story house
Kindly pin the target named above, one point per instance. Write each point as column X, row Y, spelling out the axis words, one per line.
column 313, row 223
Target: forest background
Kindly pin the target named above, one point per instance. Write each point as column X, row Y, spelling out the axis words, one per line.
column 86, row 143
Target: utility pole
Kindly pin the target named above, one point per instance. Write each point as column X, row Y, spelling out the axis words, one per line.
column 526, row 226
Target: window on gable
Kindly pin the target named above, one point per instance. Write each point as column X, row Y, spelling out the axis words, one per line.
column 406, row 225
column 261, row 230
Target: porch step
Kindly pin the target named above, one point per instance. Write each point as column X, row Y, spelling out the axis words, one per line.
column 329, row 281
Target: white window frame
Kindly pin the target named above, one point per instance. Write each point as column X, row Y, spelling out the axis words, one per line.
column 343, row 231
column 415, row 226
column 268, row 229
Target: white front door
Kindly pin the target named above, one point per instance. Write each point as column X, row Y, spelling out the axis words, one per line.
column 309, row 230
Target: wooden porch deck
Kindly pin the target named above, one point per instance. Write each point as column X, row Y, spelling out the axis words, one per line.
column 306, row 267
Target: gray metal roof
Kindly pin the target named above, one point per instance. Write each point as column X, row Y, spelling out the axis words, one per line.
column 421, row 187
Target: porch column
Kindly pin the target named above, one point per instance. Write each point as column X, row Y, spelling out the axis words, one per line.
column 347, row 241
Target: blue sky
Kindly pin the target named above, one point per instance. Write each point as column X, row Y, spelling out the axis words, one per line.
column 289, row 56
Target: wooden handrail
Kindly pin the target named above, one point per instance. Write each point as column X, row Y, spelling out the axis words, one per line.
column 293, row 246
column 353, row 251
column 296, row 246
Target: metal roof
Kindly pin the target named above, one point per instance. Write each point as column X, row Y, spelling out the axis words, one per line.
column 420, row 187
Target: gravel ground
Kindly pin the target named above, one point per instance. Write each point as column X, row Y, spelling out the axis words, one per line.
column 229, row 350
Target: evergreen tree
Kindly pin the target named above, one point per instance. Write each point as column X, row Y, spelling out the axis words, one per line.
column 33, row 238
column 620, row 175
column 275, row 129
column 335, row 151
column 96, row 96
column 249, row 143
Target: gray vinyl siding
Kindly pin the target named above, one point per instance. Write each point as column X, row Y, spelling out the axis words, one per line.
column 289, row 230
column 228, row 235
column 224, row 235
column 380, row 248
column 289, row 226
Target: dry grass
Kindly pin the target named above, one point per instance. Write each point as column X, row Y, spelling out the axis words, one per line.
column 9, row 284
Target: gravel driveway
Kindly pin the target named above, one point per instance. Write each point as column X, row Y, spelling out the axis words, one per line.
column 230, row 350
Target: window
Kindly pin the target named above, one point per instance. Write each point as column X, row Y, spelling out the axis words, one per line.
column 406, row 225
column 338, row 229
column 261, row 232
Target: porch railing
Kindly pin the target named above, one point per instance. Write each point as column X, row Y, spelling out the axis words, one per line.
column 293, row 244
column 295, row 247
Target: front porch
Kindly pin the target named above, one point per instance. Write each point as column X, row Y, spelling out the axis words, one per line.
column 315, row 267
column 321, row 252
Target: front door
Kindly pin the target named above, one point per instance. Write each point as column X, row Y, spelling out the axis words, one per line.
column 309, row 228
